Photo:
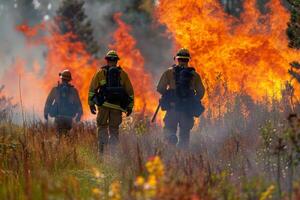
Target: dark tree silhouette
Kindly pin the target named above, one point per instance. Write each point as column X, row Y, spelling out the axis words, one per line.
column 72, row 18
column 293, row 33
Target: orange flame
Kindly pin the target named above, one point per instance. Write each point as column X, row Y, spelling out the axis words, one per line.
column 61, row 54
column 133, row 63
column 251, row 53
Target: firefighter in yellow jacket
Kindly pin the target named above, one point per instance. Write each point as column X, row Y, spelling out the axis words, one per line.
column 182, row 90
column 111, row 91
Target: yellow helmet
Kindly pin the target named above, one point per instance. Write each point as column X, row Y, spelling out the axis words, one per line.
column 112, row 55
column 65, row 75
column 183, row 53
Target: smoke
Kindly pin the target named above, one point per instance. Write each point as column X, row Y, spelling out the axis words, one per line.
column 155, row 46
column 15, row 52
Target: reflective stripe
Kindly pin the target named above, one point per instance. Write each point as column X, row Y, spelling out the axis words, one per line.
column 184, row 57
column 91, row 94
column 102, row 82
column 114, row 106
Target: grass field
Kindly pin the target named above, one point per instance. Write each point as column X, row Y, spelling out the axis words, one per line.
column 251, row 151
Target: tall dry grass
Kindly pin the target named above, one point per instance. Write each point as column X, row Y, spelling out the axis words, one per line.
column 250, row 151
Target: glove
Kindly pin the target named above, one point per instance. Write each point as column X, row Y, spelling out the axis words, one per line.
column 129, row 111
column 46, row 116
column 93, row 109
column 77, row 119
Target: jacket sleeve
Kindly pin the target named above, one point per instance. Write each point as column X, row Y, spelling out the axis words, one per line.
column 129, row 89
column 49, row 101
column 163, row 83
column 199, row 87
column 78, row 103
column 94, row 86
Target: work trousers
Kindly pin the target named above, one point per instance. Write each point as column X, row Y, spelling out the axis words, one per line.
column 185, row 121
column 63, row 125
column 108, row 123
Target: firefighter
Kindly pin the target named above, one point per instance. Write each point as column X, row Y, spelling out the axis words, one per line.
column 63, row 103
column 111, row 91
column 182, row 90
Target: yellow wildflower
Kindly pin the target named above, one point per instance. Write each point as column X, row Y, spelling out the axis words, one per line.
column 97, row 173
column 139, row 181
column 96, row 193
column 155, row 166
column 147, row 189
column 268, row 193
column 152, row 181
column 115, row 191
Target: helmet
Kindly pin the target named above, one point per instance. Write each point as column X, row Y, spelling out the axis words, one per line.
column 65, row 75
column 183, row 53
column 112, row 55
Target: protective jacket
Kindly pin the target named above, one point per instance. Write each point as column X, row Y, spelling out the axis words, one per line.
column 172, row 85
column 63, row 100
column 99, row 82
column 168, row 82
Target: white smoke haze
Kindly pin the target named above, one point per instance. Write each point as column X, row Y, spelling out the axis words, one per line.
column 14, row 48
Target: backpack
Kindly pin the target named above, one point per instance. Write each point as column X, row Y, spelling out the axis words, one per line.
column 181, row 93
column 112, row 92
column 183, row 80
column 186, row 99
column 64, row 103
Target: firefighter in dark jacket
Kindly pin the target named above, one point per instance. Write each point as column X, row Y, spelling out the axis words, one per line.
column 63, row 103
column 111, row 91
column 182, row 90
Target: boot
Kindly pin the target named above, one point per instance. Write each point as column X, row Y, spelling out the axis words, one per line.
column 170, row 137
column 102, row 139
column 184, row 139
column 114, row 136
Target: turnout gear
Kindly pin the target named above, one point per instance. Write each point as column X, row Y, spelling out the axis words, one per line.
column 185, row 90
column 66, row 75
column 63, row 103
column 108, row 122
column 174, row 118
column 182, row 90
column 111, row 88
column 112, row 92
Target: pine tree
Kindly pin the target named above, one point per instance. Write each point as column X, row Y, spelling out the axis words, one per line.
column 72, row 18
column 293, row 30
column 293, row 33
